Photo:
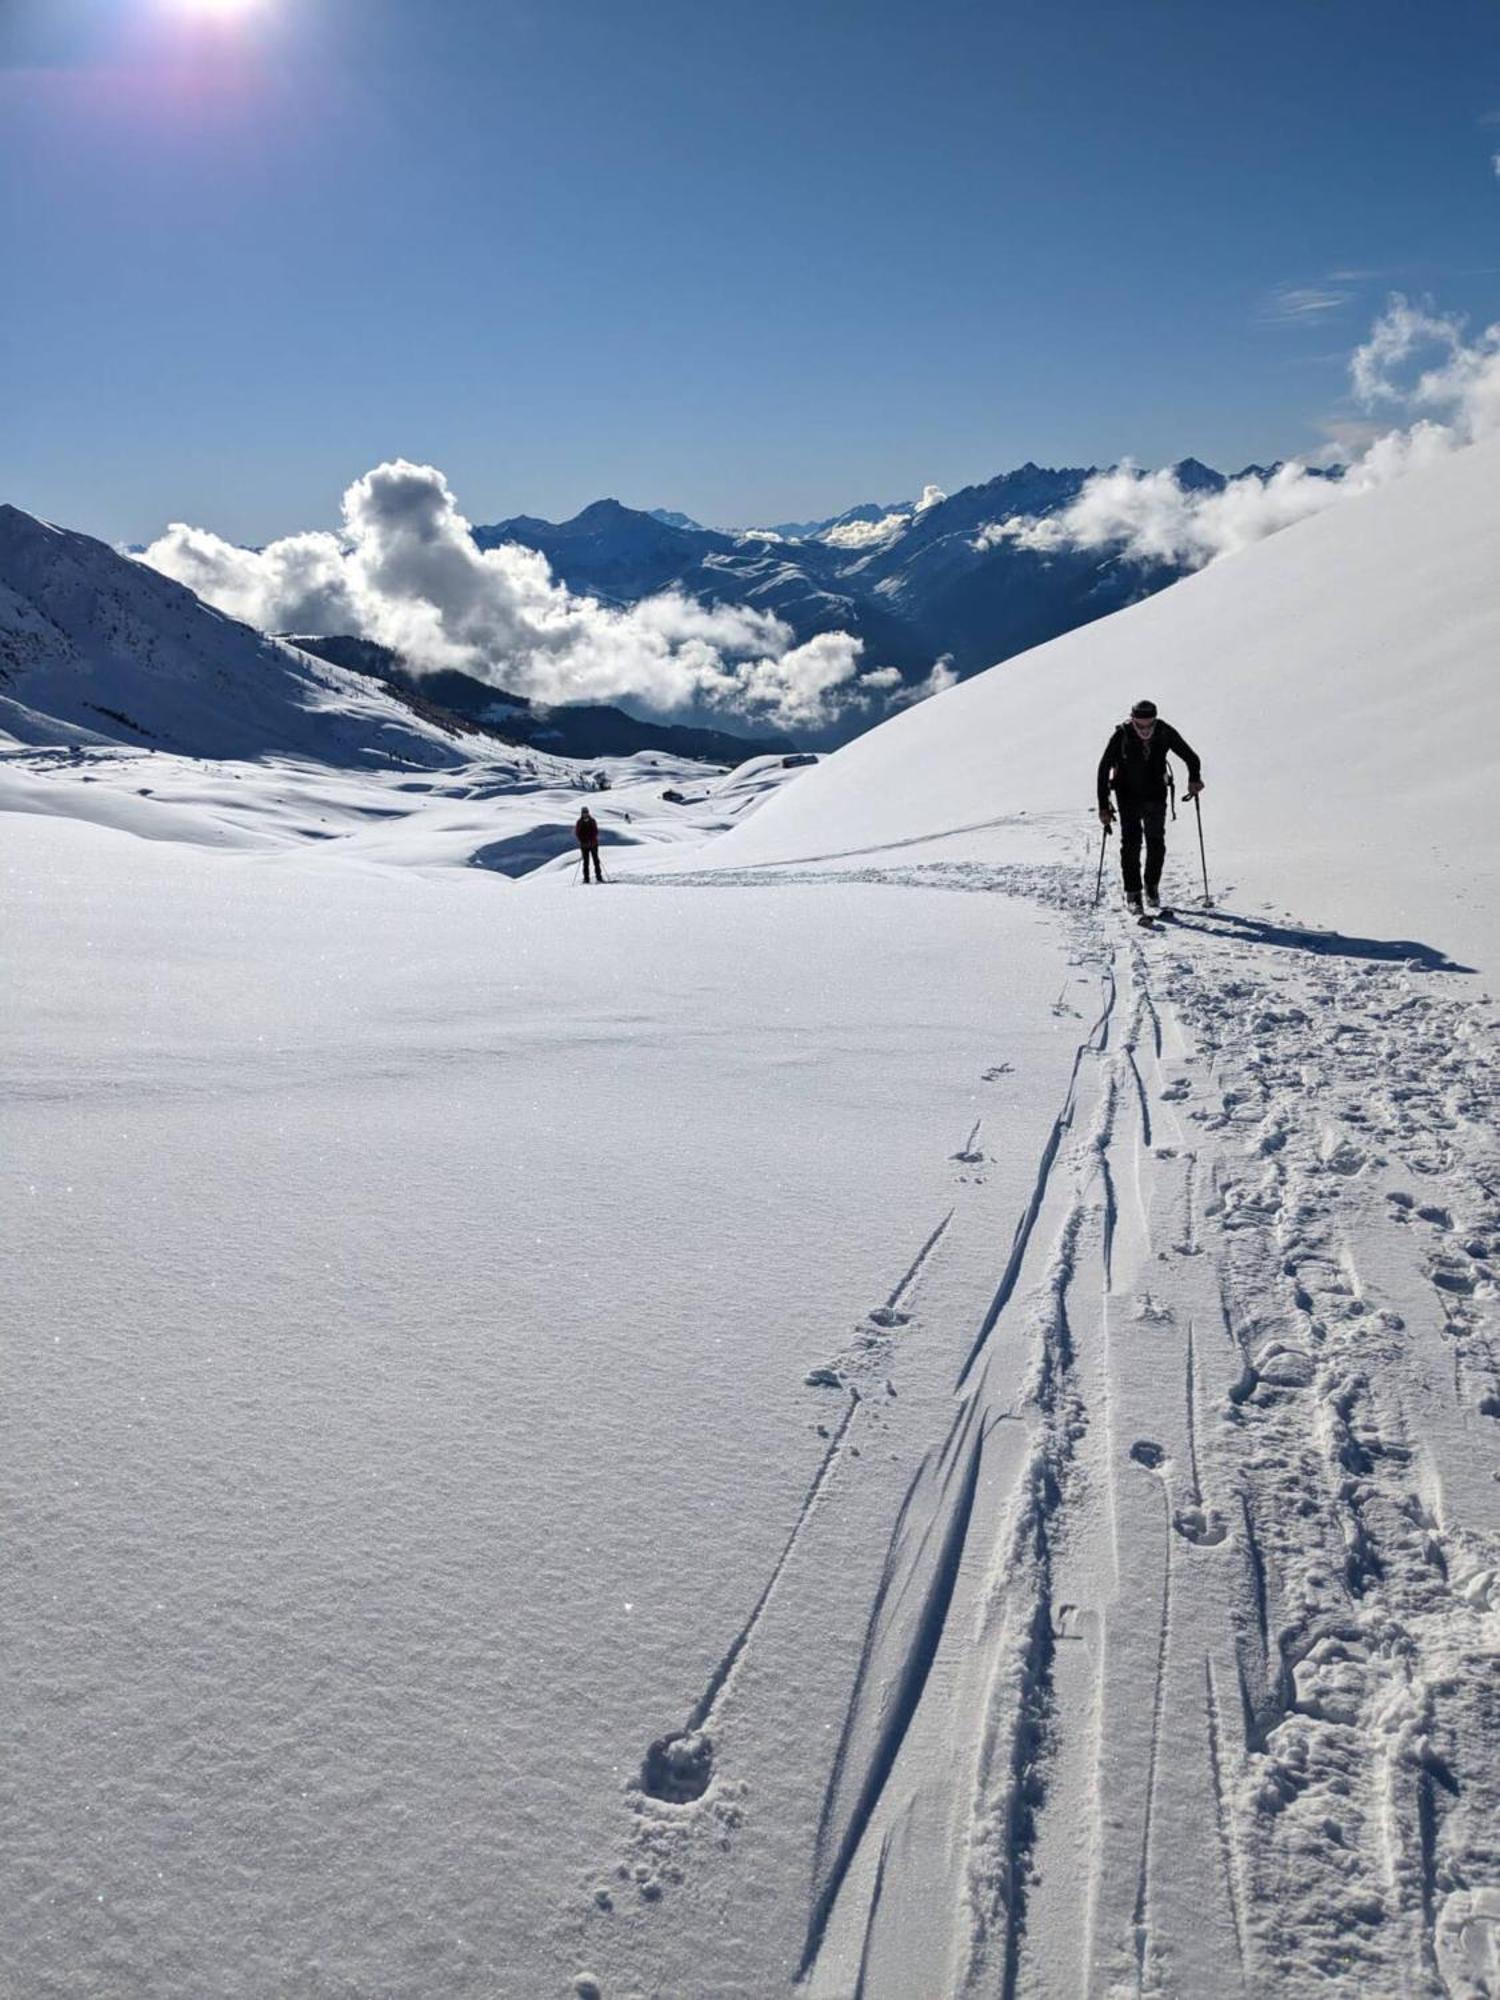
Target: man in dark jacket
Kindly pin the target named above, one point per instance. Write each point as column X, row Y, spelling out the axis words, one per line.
column 1134, row 767
column 586, row 830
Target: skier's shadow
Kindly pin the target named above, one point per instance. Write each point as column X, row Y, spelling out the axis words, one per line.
column 1319, row 944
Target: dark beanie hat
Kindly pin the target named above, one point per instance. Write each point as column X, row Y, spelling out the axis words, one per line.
column 1144, row 708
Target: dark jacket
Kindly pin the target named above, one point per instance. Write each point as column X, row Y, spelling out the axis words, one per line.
column 586, row 828
column 1137, row 772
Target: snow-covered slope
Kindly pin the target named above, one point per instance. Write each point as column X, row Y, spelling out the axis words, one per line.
column 97, row 648
column 1338, row 681
column 831, row 1420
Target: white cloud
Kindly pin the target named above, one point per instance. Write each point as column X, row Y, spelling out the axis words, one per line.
column 1415, row 359
column 406, row 572
column 875, row 534
column 938, row 681
column 866, row 534
column 1381, row 369
column 1296, row 304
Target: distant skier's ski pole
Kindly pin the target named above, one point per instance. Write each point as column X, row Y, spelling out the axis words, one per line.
column 1207, row 899
column 1099, row 878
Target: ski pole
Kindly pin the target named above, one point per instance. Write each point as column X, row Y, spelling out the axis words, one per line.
column 1208, row 901
column 1099, row 878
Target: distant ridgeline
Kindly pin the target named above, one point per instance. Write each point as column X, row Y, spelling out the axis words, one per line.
column 914, row 589
column 574, row 729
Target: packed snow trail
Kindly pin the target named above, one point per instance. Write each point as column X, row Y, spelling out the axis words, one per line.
column 1183, row 1675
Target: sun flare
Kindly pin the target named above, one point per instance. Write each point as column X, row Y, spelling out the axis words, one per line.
column 218, row 10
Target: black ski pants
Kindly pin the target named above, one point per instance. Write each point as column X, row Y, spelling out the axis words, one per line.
column 1136, row 818
column 592, row 854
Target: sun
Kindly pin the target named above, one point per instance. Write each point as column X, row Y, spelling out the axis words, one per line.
column 217, row 10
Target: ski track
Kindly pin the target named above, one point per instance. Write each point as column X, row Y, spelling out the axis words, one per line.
column 1039, row 1789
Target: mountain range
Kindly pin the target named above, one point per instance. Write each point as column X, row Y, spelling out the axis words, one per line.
column 97, row 648
column 913, row 585
column 108, row 648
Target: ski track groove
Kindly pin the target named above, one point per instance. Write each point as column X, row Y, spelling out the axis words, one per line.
column 915, row 1268
column 1221, row 1815
column 719, row 1680
column 911, row 1676
column 1141, row 1916
column 1140, row 1091
column 1360, row 1796
column 1094, row 1042
column 875, row 1900
column 1192, row 1421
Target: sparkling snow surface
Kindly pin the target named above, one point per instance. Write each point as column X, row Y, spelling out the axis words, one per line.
column 820, row 1408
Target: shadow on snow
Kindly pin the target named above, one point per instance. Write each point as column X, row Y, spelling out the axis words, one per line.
column 1321, row 944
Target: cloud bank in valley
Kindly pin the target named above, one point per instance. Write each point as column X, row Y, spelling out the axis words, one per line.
column 407, row 573
column 1416, row 361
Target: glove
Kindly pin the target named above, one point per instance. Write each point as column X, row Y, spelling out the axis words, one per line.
column 1195, row 786
column 1106, row 818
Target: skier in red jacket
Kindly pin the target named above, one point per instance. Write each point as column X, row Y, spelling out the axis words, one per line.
column 586, row 828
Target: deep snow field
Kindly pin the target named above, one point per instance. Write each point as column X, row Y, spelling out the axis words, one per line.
column 821, row 1410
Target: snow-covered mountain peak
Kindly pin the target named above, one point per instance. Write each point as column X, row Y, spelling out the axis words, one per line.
column 97, row 647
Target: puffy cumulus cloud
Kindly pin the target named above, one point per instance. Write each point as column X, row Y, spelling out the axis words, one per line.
column 1415, row 359
column 938, row 681
column 406, row 572
column 294, row 585
column 875, row 534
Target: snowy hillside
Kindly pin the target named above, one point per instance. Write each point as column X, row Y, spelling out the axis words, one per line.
column 1338, row 683
column 96, row 648
column 823, row 1416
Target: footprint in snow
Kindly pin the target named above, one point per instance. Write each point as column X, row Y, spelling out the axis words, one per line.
column 1449, row 1275
column 887, row 1316
column 1204, row 1526
column 1151, row 1311
column 994, row 1075
column 823, row 1378
column 1144, row 1452
column 678, row 1768
column 1466, row 1942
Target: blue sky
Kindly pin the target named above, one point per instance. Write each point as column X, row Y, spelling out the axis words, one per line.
column 753, row 262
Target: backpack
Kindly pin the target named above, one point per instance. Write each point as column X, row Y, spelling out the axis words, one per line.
column 1123, row 738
